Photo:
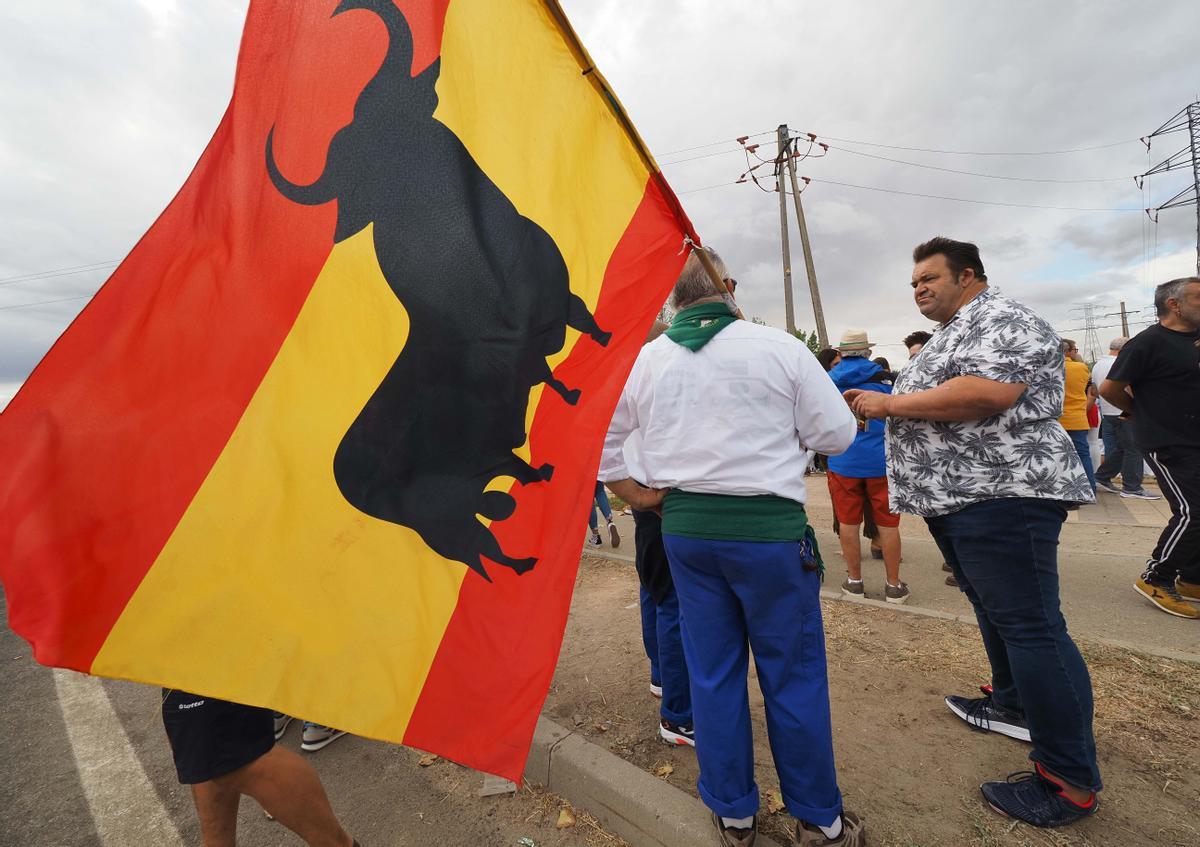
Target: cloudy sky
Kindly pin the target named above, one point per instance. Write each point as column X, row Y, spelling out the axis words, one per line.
column 108, row 105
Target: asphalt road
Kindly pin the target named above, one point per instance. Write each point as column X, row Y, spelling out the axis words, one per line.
column 86, row 764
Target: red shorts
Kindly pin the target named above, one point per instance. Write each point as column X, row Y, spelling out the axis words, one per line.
column 850, row 495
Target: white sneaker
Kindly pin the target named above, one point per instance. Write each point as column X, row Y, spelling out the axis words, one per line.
column 317, row 737
column 1141, row 494
column 656, row 690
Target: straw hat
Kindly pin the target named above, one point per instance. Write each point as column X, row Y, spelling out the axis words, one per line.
column 854, row 343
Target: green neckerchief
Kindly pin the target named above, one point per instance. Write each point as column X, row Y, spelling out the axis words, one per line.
column 695, row 326
column 722, row 517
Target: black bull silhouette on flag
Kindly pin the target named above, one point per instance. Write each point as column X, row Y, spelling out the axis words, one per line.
column 488, row 299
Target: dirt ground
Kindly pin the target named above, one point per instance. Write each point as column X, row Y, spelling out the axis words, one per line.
column 905, row 762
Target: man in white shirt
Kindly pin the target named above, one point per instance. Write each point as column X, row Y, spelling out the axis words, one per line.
column 1121, row 455
column 725, row 409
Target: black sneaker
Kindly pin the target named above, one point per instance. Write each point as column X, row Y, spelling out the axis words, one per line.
column 984, row 715
column 673, row 733
column 1037, row 799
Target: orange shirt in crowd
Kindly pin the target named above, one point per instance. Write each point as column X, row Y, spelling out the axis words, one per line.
column 1074, row 416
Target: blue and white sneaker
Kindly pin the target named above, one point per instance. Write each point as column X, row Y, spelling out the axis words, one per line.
column 983, row 714
column 673, row 733
column 281, row 723
column 1036, row 798
column 1106, row 484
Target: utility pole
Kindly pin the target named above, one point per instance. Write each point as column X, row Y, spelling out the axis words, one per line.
column 788, row 310
column 1193, row 112
column 1186, row 118
column 1124, row 320
column 818, row 312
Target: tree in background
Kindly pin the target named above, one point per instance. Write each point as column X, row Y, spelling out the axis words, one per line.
column 810, row 340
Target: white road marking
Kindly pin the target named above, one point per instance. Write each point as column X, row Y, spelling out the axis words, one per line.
column 125, row 808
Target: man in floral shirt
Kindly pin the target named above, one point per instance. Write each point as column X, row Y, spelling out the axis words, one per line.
column 975, row 447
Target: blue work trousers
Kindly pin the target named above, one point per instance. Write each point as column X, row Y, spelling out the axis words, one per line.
column 1004, row 554
column 740, row 596
column 663, row 640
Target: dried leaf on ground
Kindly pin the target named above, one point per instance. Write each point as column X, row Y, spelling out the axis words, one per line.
column 664, row 770
column 427, row 760
column 774, row 802
column 566, row 818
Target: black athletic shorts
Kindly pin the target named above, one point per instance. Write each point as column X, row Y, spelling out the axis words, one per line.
column 210, row 738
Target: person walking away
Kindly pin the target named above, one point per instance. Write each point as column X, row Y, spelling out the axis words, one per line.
column 223, row 750
column 600, row 498
column 1121, row 455
column 1155, row 382
column 974, row 446
column 858, row 478
column 741, row 553
column 1075, row 402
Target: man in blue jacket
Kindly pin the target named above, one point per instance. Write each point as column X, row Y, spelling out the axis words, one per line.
column 858, row 477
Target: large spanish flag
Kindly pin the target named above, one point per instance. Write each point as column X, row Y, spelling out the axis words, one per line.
column 326, row 440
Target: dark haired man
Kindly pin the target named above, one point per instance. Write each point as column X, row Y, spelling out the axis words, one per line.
column 1160, row 367
column 914, row 341
column 975, row 447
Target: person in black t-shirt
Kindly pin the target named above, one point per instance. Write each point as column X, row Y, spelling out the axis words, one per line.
column 1156, row 383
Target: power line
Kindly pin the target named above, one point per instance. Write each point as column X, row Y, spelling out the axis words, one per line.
column 974, row 173
column 46, row 302
column 980, row 152
column 713, row 144
column 968, row 200
column 40, row 275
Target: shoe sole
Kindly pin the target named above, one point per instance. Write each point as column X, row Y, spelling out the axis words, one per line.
column 899, row 601
column 656, row 690
column 279, row 732
column 1003, row 813
column 314, row 746
column 614, row 536
column 674, row 739
column 1128, row 496
column 854, row 593
column 1019, row 733
column 1162, row 608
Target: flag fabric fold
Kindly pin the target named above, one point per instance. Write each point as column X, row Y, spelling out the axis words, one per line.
column 326, row 439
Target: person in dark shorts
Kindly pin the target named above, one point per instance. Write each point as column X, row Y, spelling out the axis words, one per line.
column 1160, row 367
column 224, row 750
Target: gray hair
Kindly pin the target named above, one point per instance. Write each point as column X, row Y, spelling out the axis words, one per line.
column 1172, row 290
column 1068, row 344
column 1118, row 342
column 694, row 282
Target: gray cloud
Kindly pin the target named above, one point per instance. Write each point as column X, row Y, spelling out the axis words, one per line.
column 107, row 110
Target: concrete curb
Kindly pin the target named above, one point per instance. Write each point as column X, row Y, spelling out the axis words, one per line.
column 643, row 809
column 969, row 619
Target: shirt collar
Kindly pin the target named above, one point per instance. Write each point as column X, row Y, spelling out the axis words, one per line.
column 971, row 307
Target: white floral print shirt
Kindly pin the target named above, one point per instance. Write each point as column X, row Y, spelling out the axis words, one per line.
column 935, row 468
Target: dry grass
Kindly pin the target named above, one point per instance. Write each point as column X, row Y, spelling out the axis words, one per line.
column 547, row 805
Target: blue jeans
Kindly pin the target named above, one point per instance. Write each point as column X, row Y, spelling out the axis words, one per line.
column 1079, row 437
column 1121, row 455
column 736, row 596
column 601, row 500
column 662, row 637
column 1004, row 554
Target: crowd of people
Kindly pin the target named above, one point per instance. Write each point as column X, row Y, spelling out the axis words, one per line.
column 984, row 433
